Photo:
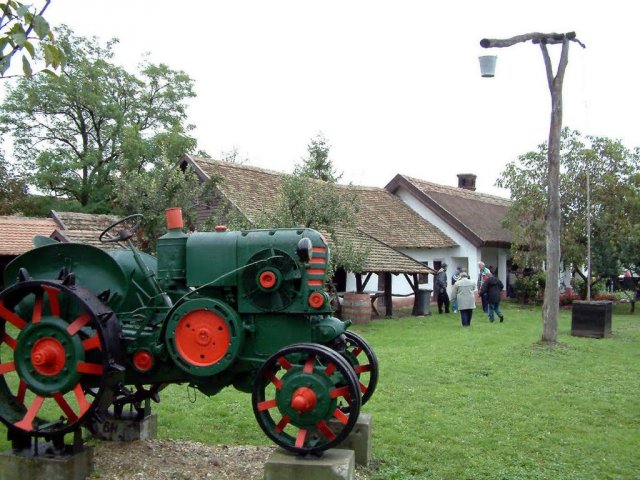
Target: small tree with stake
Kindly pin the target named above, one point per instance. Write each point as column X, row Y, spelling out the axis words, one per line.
column 550, row 307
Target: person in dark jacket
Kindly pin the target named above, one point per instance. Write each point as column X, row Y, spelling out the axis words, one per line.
column 492, row 288
column 441, row 282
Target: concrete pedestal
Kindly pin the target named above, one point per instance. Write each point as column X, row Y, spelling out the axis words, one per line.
column 125, row 428
column 359, row 440
column 26, row 466
column 334, row 464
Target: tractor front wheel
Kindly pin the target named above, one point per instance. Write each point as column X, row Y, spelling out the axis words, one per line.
column 306, row 398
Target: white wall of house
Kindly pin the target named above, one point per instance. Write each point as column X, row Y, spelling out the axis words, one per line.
column 466, row 254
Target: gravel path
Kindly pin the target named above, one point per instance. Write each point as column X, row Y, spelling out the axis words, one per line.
column 177, row 460
column 180, row 460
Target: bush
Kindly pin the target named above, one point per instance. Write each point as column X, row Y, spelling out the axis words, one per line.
column 624, row 295
column 568, row 299
column 581, row 288
column 605, row 296
column 528, row 288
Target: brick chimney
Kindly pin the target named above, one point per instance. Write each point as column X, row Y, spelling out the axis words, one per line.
column 467, row 181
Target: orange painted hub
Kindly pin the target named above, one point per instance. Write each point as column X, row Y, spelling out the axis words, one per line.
column 316, row 300
column 268, row 279
column 202, row 338
column 48, row 356
column 303, row 400
column 143, row 360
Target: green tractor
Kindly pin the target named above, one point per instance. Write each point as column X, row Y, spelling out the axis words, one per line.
column 89, row 331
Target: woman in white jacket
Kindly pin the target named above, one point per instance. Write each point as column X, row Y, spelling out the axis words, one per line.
column 464, row 293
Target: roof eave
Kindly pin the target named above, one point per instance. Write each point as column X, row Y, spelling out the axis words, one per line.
column 400, row 181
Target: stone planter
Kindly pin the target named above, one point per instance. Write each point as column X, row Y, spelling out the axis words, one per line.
column 591, row 319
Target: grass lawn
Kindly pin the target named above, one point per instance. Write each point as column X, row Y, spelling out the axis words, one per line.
column 483, row 402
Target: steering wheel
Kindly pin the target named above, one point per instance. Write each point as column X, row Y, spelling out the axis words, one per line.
column 125, row 233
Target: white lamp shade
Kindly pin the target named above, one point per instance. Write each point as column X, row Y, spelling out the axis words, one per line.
column 488, row 65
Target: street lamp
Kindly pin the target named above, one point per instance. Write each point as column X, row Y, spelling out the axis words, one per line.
column 550, row 306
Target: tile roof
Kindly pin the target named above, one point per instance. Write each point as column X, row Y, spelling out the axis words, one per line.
column 388, row 219
column 88, row 237
column 381, row 257
column 476, row 215
column 83, row 221
column 16, row 233
column 254, row 191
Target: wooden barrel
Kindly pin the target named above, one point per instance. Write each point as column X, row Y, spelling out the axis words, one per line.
column 356, row 307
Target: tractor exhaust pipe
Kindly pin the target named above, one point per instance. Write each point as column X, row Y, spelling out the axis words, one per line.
column 174, row 218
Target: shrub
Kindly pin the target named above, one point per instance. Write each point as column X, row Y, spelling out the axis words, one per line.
column 605, row 296
column 528, row 288
column 624, row 295
column 581, row 288
column 568, row 299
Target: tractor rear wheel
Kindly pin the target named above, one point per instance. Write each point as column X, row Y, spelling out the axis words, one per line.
column 59, row 354
column 306, row 398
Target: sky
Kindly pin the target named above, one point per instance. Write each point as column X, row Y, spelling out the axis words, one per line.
column 394, row 85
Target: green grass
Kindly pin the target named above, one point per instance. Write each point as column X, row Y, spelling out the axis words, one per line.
column 488, row 402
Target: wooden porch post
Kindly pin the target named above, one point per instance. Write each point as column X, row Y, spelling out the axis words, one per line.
column 414, row 286
column 388, row 298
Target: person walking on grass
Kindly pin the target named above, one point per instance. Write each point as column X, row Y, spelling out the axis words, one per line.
column 441, row 289
column 454, row 278
column 492, row 288
column 483, row 274
column 463, row 293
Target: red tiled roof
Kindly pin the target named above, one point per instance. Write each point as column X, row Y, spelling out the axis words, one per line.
column 254, row 191
column 384, row 222
column 475, row 215
column 16, row 233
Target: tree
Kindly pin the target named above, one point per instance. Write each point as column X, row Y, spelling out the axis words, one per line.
column 22, row 27
column 550, row 306
column 311, row 197
column 317, row 164
column 151, row 191
column 615, row 203
column 325, row 206
column 96, row 121
column 12, row 188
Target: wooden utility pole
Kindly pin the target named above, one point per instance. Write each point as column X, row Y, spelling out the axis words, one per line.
column 551, row 305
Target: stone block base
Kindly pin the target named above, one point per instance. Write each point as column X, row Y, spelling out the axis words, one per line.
column 334, row 464
column 125, row 428
column 359, row 440
column 23, row 466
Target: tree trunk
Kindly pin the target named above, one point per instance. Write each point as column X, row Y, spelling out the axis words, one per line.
column 551, row 304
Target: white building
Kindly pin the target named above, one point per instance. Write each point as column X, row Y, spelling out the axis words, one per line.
column 472, row 220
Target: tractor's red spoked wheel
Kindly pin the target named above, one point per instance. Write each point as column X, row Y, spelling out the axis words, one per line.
column 57, row 362
column 306, row 398
column 364, row 362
